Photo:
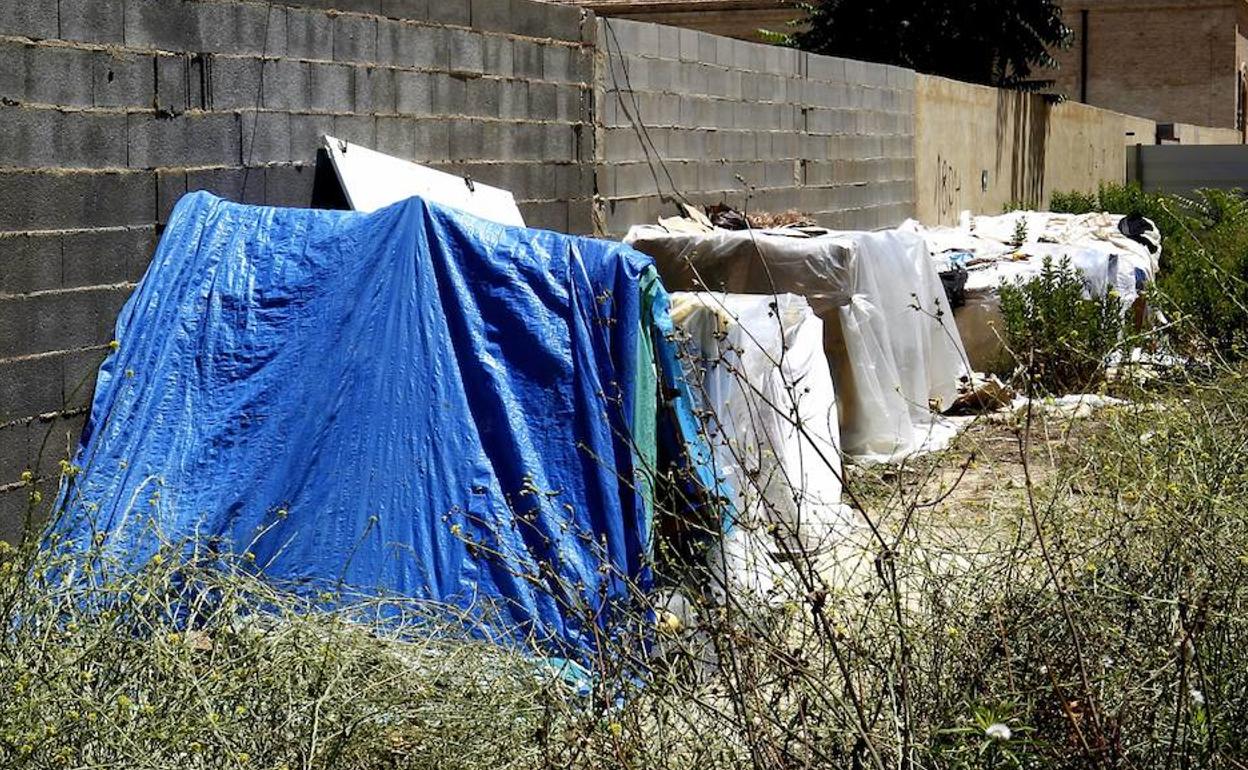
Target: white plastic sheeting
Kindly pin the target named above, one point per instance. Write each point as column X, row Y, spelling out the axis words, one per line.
column 888, row 335
column 757, row 365
column 985, row 245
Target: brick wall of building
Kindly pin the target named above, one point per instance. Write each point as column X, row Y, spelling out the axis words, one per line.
column 1172, row 61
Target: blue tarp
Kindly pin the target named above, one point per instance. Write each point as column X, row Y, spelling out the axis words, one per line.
column 413, row 402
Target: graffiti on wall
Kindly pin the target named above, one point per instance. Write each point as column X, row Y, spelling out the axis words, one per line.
column 948, row 190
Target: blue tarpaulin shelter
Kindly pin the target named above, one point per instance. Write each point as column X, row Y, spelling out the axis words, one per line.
column 413, row 402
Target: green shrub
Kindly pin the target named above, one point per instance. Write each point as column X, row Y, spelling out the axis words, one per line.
column 1058, row 338
column 1073, row 202
column 1202, row 285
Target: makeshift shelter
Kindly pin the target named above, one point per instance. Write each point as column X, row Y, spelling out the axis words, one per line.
column 756, row 366
column 892, row 347
column 412, row 403
column 1110, row 251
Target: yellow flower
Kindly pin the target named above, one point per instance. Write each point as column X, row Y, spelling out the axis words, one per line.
column 27, row 477
column 616, row 729
column 114, row 345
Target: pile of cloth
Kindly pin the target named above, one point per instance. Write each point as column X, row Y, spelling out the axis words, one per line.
column 1112, row 252
column 895, row 356
column 410, row 403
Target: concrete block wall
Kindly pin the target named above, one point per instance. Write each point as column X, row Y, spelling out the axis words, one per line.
column 685, row 115
column 110, row 110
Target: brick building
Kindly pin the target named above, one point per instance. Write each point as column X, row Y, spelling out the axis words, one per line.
column 1173, row 61
column 731, row 18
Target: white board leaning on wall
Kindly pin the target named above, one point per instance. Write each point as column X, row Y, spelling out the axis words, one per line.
column 373, row 180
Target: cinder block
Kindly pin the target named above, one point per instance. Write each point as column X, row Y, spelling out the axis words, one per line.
column 414, row 93
column 581, row 217
column 79, row 370
column 513, row 102
column 492, row 15
column 29, row 387
column 173, row 83
column 546, row 215
column 43, row 200
column 101, row 257
column 557, row 64
column 29, row 262
column 170, row 187
column 467, row 51
column 467, row 140
column 395, row 41
column 123, row 80
column 449, row 95
column 305, row 135
column 457, row 12
column 266, row 138
column 180, row 25
column 355, row 39
column 233, row 82
column 406, row 9
column 36, row 20
column 497, row 56
column 360, row 129
column 543, row 101
column 432, row 141
column 58, row 320
column 375, row 90
column 396, row 136
column 288, row 185
column 347, row 6
column 331, row 88
column 309, row 34
column 96, row 21
column 286, row 85
column 483, row 97
column 244, row 185
column 563, row 22
column 50, row 138
column 185, row 140
column 46, row 75
column 527, row 59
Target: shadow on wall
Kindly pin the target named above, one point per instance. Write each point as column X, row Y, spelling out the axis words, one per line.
column 1022, row 128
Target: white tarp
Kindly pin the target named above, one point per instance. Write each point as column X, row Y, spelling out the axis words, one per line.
column 985, row 246
column 757, row 365
column 373, row 180
column 888, row 333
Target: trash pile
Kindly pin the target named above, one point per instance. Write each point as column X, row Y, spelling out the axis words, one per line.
column 896, row 358
column 1112, row 252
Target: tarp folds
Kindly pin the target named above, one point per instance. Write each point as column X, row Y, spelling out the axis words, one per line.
column 413, row 402
column 888, row 334
column 757, row 368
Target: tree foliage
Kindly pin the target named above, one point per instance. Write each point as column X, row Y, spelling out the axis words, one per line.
column 994, row 42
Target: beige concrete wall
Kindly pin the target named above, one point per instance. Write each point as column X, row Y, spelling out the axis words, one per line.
column 1183, row 133
column 982, row 149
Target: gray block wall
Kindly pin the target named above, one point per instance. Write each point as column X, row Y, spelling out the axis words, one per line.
column 688, row 116
column 110, row 110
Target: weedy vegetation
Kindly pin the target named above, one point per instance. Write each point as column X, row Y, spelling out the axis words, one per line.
column 1053, row 591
